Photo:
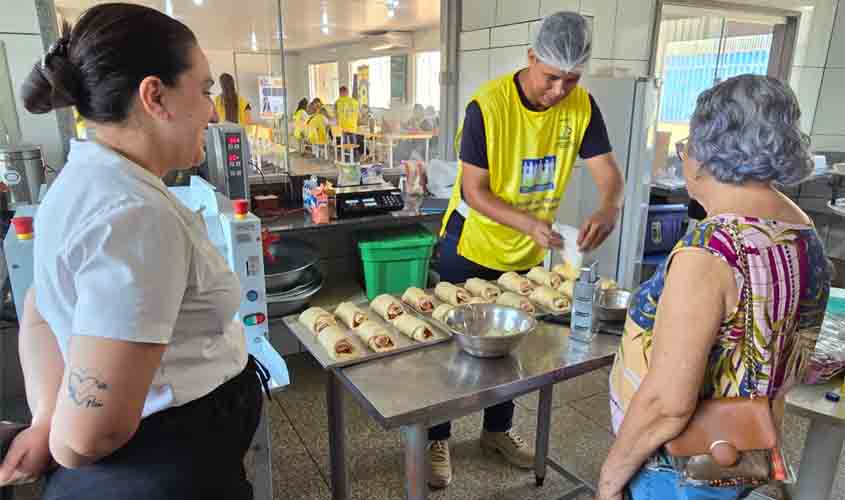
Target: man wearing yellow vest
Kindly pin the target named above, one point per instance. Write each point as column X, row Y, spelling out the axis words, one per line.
column 347, row 109
column 521, row 136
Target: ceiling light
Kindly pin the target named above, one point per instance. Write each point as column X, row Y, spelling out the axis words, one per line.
column 199, row 3
column 324, row 18
column 168, row 7
column 254, row 42
column 391, row 12
column 324, row 29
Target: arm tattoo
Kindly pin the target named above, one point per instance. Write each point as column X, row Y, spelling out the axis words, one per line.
column 83, row 388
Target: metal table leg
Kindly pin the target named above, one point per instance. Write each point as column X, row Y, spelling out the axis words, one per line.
column 427, row 151
column 544, row 422
column 263, row 487
column 337, row 444
column 819, row 461
column 416, row 484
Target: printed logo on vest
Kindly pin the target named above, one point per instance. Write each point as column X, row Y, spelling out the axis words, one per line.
column 538, row 175
column 564, row 139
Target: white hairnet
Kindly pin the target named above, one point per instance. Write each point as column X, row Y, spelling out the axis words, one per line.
column 564, row 42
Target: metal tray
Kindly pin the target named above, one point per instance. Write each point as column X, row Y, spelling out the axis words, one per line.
column 404, row 344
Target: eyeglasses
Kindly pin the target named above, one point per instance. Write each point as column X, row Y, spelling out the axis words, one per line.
column 681, row 148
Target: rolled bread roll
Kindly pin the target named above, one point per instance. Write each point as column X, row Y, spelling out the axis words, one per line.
column 516, row 283
column 418, row 299
column 452, row 294
column 482, row 288
column 387, row 307
column 338, row 344
column 550, row 298
column 567, row 270
column 511, row 299
column 542, row 277
column 441, row 311
column 317, row 319
column 375, row 336
column 350, row 315
column 414, row 328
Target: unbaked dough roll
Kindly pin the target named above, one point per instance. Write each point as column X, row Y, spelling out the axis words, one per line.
column 607, row 284
column 339, row 345
column 542, row 277
column 418, row 299
column 414, row 328
column 550, row 298
column 567, row 288
column 387, row 307
column 375, row 336
column 452, row 294
column 516, row 283
column 511, row 299
column 350, row 315
column 317, row 319
column 441, row 311
column 567, row 270
column 482, row 288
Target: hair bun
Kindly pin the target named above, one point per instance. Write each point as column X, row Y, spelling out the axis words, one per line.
column 55, row 82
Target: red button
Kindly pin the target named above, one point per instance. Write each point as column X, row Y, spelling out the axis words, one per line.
column 241, row 207
column 23, row 225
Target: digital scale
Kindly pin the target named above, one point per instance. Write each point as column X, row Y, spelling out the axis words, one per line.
column 355, row 201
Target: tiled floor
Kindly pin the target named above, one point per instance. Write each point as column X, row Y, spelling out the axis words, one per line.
column 580, row 440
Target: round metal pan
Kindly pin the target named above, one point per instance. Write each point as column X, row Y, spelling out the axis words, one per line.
column 293, row 258
column 283, row 304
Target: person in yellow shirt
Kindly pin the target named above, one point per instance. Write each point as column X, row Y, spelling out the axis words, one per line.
column 230, row 106
column 347, row 109
column 300, row 119
column 520, row 138
column 318, row 123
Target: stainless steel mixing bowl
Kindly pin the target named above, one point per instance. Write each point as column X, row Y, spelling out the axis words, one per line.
column 612, row 305
column 470, row 325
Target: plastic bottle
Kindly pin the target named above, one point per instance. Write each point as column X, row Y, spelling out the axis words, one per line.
column 583, row 322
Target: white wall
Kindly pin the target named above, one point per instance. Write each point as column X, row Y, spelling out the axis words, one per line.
column 21, row 35
column 496, row 34
column 296, row 63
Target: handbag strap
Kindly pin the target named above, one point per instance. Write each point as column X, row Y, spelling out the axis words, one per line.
column 747, row 295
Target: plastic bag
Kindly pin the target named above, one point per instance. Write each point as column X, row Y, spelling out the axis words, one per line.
column 828, row 358
column 441, row 176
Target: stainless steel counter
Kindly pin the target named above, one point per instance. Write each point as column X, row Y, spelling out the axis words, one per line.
column 446, row 379
column 417, row 389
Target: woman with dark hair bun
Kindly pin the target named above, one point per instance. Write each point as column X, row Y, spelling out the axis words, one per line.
column 137, row 377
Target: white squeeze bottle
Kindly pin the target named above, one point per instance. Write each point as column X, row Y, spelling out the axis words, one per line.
column 583, row 323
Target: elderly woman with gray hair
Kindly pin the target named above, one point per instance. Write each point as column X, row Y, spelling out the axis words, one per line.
column 685, row 336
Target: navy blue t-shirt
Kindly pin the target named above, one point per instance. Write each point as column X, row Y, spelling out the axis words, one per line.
column 474, row 139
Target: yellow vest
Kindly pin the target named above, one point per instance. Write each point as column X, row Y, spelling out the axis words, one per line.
column 243, row 116
column 347, row 113
column 530, row 156
column 300, row 120
column 317, row 129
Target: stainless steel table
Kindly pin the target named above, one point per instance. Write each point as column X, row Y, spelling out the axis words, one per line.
column 418, row 389
column 823, row 444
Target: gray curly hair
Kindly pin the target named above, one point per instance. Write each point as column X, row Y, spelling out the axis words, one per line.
column 747, row 129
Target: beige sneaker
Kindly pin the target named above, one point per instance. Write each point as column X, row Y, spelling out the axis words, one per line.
column 439, row 464
column 511, row 446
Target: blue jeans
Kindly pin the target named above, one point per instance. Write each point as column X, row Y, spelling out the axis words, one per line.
column 664, row 484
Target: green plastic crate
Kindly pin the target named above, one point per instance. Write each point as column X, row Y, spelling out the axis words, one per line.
column 395, row 259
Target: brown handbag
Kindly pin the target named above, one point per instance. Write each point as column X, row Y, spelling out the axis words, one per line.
column 730, row 441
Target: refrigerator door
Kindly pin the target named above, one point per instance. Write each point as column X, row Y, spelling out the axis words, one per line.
column 623, row 105
column 638, row 184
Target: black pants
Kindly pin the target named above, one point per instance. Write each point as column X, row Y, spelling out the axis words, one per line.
column 456, row 269
column 190, row 452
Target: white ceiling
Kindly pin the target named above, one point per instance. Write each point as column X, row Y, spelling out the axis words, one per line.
column 230, row 24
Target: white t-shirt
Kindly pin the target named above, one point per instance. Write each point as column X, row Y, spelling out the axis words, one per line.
column 118, row 256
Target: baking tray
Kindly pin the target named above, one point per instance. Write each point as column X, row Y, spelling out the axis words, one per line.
column 403, row 343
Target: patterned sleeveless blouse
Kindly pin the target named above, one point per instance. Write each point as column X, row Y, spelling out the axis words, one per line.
column 790, row 283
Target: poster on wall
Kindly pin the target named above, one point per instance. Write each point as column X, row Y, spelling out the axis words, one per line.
column 271, row 97
column 363, row 85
